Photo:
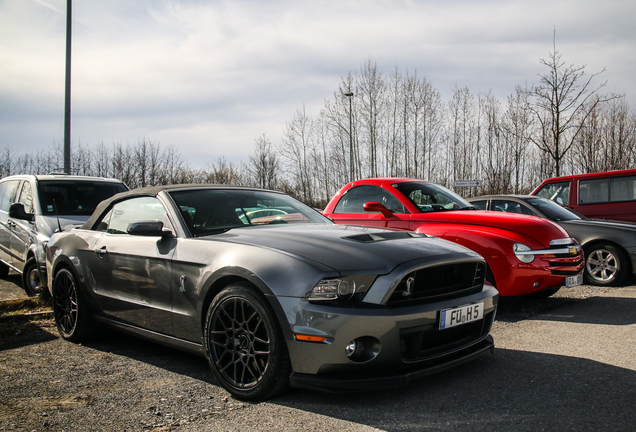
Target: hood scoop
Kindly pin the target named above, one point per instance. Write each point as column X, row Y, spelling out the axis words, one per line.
column 383, row 236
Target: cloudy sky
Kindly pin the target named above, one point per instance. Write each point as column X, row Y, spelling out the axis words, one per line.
column 209, row 76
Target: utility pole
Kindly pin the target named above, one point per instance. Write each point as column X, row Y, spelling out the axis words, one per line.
column 67, row 92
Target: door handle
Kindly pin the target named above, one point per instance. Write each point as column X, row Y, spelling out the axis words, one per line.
column 101, row 251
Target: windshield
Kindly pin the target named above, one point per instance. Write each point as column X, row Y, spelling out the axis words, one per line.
column 552, row 210
column 210, row 211
column 74, row 197
column 430, row 197
column 557, row 192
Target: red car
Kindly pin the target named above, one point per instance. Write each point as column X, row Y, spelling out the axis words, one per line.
column 526, row 255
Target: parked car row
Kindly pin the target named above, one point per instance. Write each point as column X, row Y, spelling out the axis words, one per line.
column 397, row 278
column 610, row 246
column 525, row 255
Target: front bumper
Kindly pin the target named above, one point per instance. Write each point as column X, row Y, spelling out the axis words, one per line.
column 335, row 383
column 401, row 343
column 515, row 278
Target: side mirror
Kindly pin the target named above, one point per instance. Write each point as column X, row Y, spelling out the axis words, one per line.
column 148, row 228
column 377, row 207
column 16, row 211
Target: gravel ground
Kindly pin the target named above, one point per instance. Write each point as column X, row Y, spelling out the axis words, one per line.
column 563, row 363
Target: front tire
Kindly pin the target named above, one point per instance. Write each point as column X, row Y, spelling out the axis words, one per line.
column 605, row 265
column 72, row 317
column 245, row 346
column 31, row 281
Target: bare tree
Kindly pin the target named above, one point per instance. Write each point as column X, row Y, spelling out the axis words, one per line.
column 122, row 166
column 463, row 144
column 263, row 164
column 607, row 140
column 222, row 172
column 517, row 124
column 395, row 148
column 297, row 150
column 496, row 163
column 371, row 92
column 101, row 156
column 561, row 103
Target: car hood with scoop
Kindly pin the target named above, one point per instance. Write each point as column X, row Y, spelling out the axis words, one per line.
column 347, row 248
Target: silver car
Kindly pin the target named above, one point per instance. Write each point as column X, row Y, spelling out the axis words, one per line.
column 271, row 292
column 33, row 207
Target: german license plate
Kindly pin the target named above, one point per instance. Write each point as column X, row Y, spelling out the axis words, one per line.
column 461, row 315
column 572, row 281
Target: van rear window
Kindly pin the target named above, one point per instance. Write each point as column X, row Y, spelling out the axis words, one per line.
column 611, row 189
column 623, row 189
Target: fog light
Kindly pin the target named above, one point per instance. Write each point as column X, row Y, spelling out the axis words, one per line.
column 350, row 349
column 362, row 349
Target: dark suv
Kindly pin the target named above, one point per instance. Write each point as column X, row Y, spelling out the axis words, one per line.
column 34, row 207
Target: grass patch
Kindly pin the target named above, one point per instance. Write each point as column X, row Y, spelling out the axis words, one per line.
column 28, row 306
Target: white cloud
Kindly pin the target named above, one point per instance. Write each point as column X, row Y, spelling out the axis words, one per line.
column 211, row 76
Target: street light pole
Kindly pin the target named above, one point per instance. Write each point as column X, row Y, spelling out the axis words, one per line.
column 350, row 96
column 67, row 92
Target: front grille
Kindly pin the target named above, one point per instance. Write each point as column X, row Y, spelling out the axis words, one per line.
column 565, row 266
column 439, row 283
column 428, row 341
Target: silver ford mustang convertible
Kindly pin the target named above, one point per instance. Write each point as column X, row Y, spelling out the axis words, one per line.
column 271, row 292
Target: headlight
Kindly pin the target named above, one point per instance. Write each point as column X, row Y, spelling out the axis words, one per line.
column 523, row 257
column 346, row 288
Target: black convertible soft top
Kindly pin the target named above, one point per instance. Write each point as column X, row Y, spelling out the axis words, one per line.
column 150, row 191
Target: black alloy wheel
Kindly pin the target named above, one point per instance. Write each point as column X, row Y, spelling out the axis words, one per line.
column 605, row 265
column 31, row 281
column 244, row 345
column 69, row 308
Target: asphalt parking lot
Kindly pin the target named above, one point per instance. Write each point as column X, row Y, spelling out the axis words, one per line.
column 567, row 363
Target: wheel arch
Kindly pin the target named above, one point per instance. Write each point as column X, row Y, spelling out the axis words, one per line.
column 61, row 263
column 216, row 285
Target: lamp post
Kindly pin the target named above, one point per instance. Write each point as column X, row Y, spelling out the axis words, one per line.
column 350, row 96
column 67, row 92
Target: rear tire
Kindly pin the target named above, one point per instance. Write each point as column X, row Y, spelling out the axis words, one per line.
column 605, row 265
column 245, row 346
column 70, row 310
column 31, row 281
